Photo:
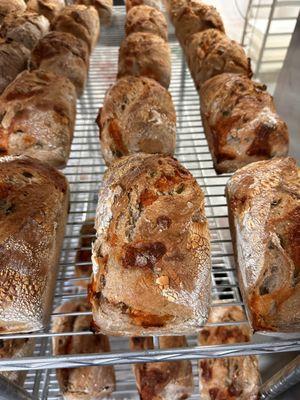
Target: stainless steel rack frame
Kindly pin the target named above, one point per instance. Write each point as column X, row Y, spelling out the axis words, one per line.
column 84, row 172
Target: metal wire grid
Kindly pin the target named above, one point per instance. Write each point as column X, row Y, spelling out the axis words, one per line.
column 84, row 172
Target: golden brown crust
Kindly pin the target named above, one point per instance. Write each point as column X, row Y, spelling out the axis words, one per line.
column 84, row 254
column 82, row 383
column 233, row 377
column 145, row 54
column 37, row 114
column 81, row 21
column 146, row 19
column 104, row 8
column 8, row 7
column 163, row 380
column 33, row 212
column 211, row 53
column 264, row 210
column 138, row 115
column 65, row 55
column 151, row 259
column 49, row 8
column 240, row 122
column 151, row 3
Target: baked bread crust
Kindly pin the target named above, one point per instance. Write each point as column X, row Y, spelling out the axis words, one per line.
column 26, row 29
column 64, row 55
column 84, row 254
column 103, row 7
column 240, row 122
column 163, row 380
column 211, row 53
column 33, row 212
column 37, row 114
column 146, row 19
column 230, row 377
column 84, row 383
column 138, row 115
column 151, row 3
column 49, row 8
column 81, row 21
column 145, row 54
column 11, row 7
column 151, row 258
column 264, row 211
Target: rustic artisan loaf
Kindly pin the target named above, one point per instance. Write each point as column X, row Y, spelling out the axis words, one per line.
column 26, row 29
column 81, row 21
column 240, row 122
column 145, row 54
column 8, row 7
column 138, row 115
column 37, row 117
column 163, row 380
column 151, row 3
column 49, row 8
column 103, row 7
column 211, row 53
column 83, row 262
column 13, row 60
column 146, row 19
column 64, row 55
column 151, row 259
column 84, row 383
column 34, row 200
column 230, row 377
column 264, row 211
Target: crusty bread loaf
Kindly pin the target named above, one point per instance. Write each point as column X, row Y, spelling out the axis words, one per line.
column 84, row 383
column 230, row 377
column 11, row 7
column 26, row 29
column 64, row 55
column 37, row 117
column 33, row 210
column 104, row 8
column 151, row 3
column 49, row 8
column 173, row 7
column 13, row 60
column 84, row 253
column 211, row 53
column 240, row 122
column 146, row 19
column 151, row 258
column 81, row 21
column 138, row 115
column 264, row 211
column 163, row 380
column 145, row 54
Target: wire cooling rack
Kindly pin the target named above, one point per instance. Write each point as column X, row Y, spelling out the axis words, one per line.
column 84, row 172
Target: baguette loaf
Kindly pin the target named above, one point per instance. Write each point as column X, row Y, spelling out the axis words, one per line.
column 138, row 115
column 240, row 122
column 81, row 383
column 264, row 211
column 145, row 54
column 151, row 259
column 146, row 19
column 49, row 8
column 37, row 116
column 33, row 211
column 103, row 7
column 64, row 55
column 84, row 254
column 81, row 21
column 26, row 29
column 163, row 380
column 211, row 53
column 9, row 7
column 227, row 378
column 151, row 3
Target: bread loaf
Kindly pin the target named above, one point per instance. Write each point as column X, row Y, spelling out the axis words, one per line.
column 37, row 116
column 229, row 377
column 84, row 383
column 240, row 122
column 33, row 209
column 151, row 259
column 103, row 7
column 211, row 53
column 264, row 211
column 8, row 7
column 84, row 253
column 13, row 60
column 81, row 21
column 49, row 8
column 138, row 115
column 151, row 3
column 145, row 54
column 26, row 29
column 146, row 19
column 64, row 55
column 163, row 380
